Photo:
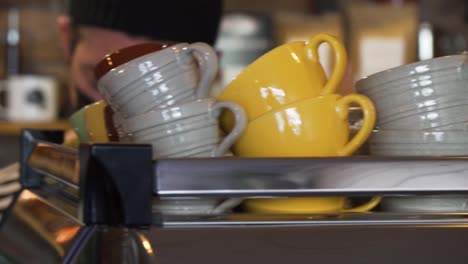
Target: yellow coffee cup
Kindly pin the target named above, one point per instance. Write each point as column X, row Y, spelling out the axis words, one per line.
column 284, row 75
column 313, row 127
column 307, row 205
column 77, row 120
column 97, row 123
column 92, row 123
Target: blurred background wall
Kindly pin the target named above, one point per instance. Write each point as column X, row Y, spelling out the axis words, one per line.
column 378, row 34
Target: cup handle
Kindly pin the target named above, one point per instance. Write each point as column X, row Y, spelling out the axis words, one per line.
column 341, row 60
column 207, row 61
column 368, row 123
column 365, row 207
column 236, row 132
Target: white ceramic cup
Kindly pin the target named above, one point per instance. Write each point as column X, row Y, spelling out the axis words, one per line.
column 185, row 130
column 418, row 150
column 431, row 203
column 419, row 137
column 451, row 117
column 29, row 98
column 190, row 67
column 389, row 111
column 182, row 87
column 418, row 87
column 427, row 70
column 419, row 143
column 186, row 206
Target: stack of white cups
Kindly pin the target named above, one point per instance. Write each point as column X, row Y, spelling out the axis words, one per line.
column 159, row 94
column 422, row 108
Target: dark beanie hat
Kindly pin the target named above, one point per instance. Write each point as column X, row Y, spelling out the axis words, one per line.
column 174, row 20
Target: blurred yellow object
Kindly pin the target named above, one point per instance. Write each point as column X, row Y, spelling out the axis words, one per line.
column 314, row 127
column 95, row 120
column 71, row 139
column 307, row 205
column 15, row 128
column 90, row 124
column 284, row 75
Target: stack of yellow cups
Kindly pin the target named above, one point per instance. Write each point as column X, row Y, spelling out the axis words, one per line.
column 293, row 111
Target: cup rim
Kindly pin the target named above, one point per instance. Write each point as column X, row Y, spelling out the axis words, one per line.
column 395, row 136
column 202, row 146
column 124, row 55
column 162, row 132
column 380, row 91
column 173, row 77
column 155, row 114
column 402, row 71
column 406, row 114
column 253, row 64
column 423, row 203
column 295, row 103
column 414, row 110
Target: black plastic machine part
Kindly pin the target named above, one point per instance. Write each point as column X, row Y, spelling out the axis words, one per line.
column 115, row 179
column 116, row 184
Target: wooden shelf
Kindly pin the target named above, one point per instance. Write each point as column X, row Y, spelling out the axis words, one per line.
column 14, row 128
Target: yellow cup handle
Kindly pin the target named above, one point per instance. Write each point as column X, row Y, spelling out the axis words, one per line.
column 365, row 207
column 368, row 123
column 341, row 60
column 71, row 139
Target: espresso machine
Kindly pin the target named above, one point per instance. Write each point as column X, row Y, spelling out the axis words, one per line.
column 95, row 205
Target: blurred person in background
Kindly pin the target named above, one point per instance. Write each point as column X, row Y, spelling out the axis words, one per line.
column 95, row 28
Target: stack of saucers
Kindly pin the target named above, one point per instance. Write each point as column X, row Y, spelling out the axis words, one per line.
column 422, row 108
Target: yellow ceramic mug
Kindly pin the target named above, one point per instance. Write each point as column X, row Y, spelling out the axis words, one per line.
column 92, row 123
column 313, row 127
column 307, row 205
column 98, row 118
column 284, row 75
column 96, row 123
column 77, row 120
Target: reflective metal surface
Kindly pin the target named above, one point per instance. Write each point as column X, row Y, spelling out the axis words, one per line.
column 59, row 195
column 338, row 219
column 34, row 231
column 310, row 244
column 56, row 161
column 229, row 177
column 117, row 245
column 43, row 226
column 256, row 177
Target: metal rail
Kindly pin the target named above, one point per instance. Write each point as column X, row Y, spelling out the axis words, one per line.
column 276, row 177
